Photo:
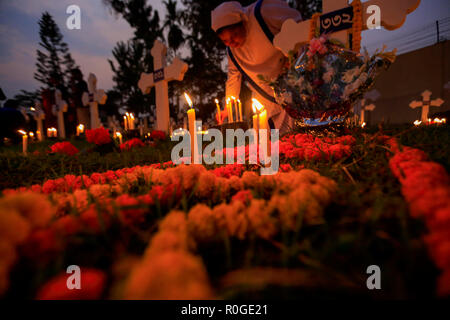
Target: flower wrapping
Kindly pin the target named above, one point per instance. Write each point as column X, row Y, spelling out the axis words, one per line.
column 322, row 81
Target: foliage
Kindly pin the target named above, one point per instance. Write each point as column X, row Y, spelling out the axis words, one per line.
column 133, row 57
column 56, row 60
column 27, row 98
column 306, row 8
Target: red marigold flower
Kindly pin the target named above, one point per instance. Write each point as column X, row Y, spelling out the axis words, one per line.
column 130, row 215
column 244, row 196
column 229, row 170
column 347, row 140
column 285, row 167
column 92, row 285
column 64, row 148
column 94, row 220
column 40, row 243
column 158, row 135
column 98, row 136
column 98, row 178
column 67, row 225
column 128, row 145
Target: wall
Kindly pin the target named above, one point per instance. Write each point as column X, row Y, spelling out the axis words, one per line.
column 410, row 75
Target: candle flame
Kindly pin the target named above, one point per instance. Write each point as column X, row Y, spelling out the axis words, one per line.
column 217, row 101
column 417, row 122
column 363, row 125
column 188, row 99
column 22, row 132
column 31, row 134
column 118, row 134
column 257, row 105
column 81, row 127
column 32, row 109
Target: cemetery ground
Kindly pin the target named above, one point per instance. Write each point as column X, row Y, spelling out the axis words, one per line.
column 169, row 245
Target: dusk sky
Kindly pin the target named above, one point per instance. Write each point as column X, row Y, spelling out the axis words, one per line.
column 100, row 31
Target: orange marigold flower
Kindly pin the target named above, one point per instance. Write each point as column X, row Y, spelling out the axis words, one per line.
column 173, row 275
column 201, row 222
column 34, row 207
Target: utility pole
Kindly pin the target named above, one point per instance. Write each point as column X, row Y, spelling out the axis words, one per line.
column 437, row 29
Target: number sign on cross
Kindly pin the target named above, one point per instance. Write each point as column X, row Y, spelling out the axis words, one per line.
column 337, row 18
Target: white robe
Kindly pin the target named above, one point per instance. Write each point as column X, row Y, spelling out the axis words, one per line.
column 258, row 56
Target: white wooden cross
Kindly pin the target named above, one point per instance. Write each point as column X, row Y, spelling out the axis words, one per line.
column 159, row 79
column 364, row 108
column 393, row 15
column 39, row 116
column 372, row 95
column 425, row 104
column 93, row 98
column 58, row 109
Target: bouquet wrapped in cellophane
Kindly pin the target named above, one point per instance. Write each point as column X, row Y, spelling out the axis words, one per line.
column 322, row 81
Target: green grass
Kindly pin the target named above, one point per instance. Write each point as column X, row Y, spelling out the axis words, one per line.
column 19, row 170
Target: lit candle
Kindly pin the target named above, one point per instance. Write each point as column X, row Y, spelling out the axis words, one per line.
column 219, row 115
column 119, row 135
column 125, row 122
column 80, row 129
column 235, row 109
column 39, row 135
column 192, row 129
column 240, row 110
column 229, row 111
column 55, row 132
column 49, row 132
column 131, row 121
column 24, row 141
column 263, row 123
column 255, row 124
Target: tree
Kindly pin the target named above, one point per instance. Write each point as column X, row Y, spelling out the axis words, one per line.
column 133, row 57
column 306, row 8
column 27, row 98
column 175, row 37
column 56, row 60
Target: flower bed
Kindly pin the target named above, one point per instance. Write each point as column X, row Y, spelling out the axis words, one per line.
column 426, row 188
column 161, row 231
